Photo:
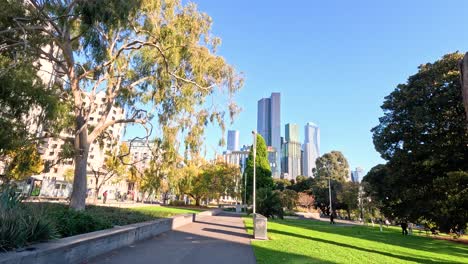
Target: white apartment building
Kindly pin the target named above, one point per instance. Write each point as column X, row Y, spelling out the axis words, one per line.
column 51, row 147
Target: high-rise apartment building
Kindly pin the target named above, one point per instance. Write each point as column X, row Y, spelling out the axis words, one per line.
column 233, row 140
column 291, row 158
column 269, row 126
column 50, row 148
column 311, row 148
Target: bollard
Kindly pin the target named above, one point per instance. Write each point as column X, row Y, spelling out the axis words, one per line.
column 260, row 226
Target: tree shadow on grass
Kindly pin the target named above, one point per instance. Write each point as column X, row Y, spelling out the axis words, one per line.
column 392, row 238
column 398, row 256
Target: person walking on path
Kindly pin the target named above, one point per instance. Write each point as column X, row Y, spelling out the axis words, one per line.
column 332, row 219
column 104, row 195
column 404, row 226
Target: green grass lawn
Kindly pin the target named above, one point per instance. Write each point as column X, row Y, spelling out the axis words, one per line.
column 305, row 241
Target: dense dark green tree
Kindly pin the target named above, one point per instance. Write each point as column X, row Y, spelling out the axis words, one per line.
column 281, row 184
column 332, row 166
column 348, row 197
column 423, row 137
column 269, row 203
column 263, row 170
column 302, row 184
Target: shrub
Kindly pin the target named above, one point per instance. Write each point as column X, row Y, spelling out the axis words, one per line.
column 21, row 225
column 269, row 203
column 70, row 222
column 177, row 203
column 288, row 199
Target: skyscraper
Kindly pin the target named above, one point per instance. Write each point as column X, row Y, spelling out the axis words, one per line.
column 269, row 126
column 357, row 175
column 233, row 140
column 291, row 159
column 311, row 148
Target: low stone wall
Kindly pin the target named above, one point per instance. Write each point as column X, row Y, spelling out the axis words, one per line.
column 80, row 248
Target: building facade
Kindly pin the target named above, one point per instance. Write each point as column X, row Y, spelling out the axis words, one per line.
column 269, row 126
column 311, row 148
column 357, row 175
column 233, row 140
column 51, row 148
column 291, row 156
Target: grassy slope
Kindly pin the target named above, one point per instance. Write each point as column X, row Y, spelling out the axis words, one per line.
column 305, row 241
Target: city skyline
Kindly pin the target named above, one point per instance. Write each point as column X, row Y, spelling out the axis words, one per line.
column 343, row 100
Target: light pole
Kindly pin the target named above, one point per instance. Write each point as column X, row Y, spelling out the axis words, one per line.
column 329, row 190
column 254, row 168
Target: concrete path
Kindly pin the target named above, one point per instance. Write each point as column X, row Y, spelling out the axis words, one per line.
column 210, row 239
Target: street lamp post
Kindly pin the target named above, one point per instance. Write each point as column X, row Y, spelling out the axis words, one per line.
column 329, row 191
column 254, row 169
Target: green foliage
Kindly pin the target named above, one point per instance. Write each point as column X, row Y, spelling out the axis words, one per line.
column 423, row 137
column 348, row 197
column 21, row 225
column 263, row 170
column 23, row 162
column 288, row 199
column 302, row 184
column 269, row 203
column 70, row 222
column 332, row 166
column 208, row 180
column 281, row 184
column 177, row 203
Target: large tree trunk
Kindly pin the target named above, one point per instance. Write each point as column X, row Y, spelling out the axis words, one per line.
column 464, row 83
column 78, row 197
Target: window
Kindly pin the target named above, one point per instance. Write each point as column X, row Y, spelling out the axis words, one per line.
column 54, row 146
column 115, row 112
column 57, row 186
column 91, row 157
column 91, row 118
column 55, row 170
column 51, row 153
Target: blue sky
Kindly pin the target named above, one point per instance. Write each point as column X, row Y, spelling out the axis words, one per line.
column 332, row 61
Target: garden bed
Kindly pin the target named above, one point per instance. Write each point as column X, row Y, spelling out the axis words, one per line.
column 55, row 220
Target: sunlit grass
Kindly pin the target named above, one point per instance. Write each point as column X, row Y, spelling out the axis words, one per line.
column 305, row 241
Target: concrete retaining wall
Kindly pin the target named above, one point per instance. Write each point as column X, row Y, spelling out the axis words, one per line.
column 80, row 248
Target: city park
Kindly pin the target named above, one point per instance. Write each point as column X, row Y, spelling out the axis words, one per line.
column 158, row 60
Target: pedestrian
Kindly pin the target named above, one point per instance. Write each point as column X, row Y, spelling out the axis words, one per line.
column 387, row 222
column 410, row 229
column 404, row 226
column 332, row 219
column 104, row 195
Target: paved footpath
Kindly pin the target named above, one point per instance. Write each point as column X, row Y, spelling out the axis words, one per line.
column 210, row 239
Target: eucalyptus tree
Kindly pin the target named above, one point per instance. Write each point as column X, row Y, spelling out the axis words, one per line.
column 157, row 59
